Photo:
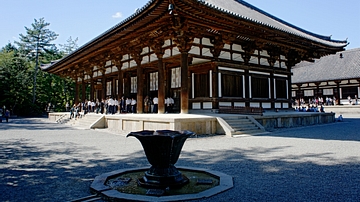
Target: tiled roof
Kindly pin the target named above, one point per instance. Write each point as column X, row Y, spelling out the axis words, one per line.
column 329, row 68
column 246, row 11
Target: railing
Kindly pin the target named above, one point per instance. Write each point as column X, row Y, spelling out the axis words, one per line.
column 241, row 110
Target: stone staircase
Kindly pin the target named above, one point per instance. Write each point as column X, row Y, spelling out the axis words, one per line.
column 85, row 122
column 243, row 125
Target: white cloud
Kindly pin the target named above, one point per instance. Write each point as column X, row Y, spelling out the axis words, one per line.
column 117, row 15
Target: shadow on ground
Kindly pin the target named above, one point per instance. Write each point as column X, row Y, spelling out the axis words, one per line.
column 29, row 172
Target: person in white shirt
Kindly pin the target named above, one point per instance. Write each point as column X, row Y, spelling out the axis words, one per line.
column 116, row 103
column 156, row 104
column 133, row 105
column 171, row 104
column 111, row 106
column 128, row 105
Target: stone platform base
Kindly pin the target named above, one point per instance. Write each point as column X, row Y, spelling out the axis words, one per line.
column 208, row 123
column 272, row 121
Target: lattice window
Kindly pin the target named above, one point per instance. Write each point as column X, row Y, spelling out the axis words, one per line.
column 176, row 77
column 308, row 93
column 328, row 91
column 154, row 84
column 134, row 84
column 108, row 88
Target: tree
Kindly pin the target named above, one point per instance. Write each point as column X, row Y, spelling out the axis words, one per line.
column 69, row 47
column 14, row 79
column 36, row 43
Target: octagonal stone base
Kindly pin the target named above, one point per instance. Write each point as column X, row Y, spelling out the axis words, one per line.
column 106, row 192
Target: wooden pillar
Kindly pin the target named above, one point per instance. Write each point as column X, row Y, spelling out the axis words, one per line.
column 184, row 43
column 76, row 96
column 162, row 86
column 103, row 84
column 247, row 88
column 83, row 89
column 289, row 90
column 113, row 88
column 127, row 81
column 120, row 84
column 293, row 58
column 136, row 54
column 140, row 90
column 215, row 87
column 92, row 88
column 184, row 83
column 272, row 90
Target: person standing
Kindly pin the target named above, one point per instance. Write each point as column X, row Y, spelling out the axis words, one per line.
column 128, row 105
column 122, row 105
column 67, row 107
column 133, row 105
column 171, row 105
column 156, row 102
column 146, row 104
column 7, row 115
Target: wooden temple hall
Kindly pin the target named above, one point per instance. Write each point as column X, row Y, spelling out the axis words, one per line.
column 205, row 54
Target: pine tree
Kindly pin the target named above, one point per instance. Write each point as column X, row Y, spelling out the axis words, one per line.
column 37, row 43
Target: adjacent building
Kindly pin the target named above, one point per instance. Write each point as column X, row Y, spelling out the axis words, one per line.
column 335, row 76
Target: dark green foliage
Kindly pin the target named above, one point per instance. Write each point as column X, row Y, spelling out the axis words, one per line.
column 18, row 70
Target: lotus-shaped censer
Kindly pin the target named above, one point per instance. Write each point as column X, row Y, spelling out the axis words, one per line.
column 162, row 149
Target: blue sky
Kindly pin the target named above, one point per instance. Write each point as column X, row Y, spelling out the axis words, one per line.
column 86, row 19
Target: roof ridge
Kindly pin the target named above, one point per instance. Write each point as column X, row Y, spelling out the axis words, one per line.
column 244, row 3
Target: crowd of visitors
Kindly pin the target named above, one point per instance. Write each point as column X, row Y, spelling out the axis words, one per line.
column 117, row 106
column 353, row 101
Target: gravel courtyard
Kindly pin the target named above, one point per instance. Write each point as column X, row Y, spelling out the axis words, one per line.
column 44, row 161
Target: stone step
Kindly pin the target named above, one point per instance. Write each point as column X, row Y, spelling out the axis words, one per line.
column 242, row 128
column 242, row 121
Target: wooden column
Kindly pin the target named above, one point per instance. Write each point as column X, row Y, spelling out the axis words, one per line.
column 116, row 59
column 136, row 54
column 127, row 81
column 140, row 90
column 76, row 96
column 113, row 88
column 249, row 49
column 247, row 88
column 293, row 58
column 272, row 91
column 91, row 88
column 274, row 56
column 183, row 42
column 120, row 84
column 83, row 89
column 215, row 87
column 161, row 86
column 184, row 96
column 103, row 84
column 289, row 90
column 159, row 51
